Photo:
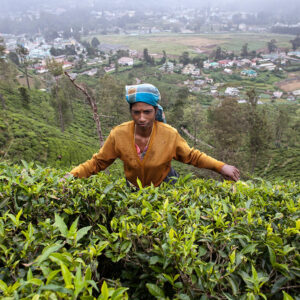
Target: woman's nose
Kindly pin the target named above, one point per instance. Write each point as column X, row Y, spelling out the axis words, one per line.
column 142, row 117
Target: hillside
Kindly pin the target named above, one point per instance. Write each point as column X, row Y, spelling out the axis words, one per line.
column 95, row 239
column 31, row 132
column 30, row 126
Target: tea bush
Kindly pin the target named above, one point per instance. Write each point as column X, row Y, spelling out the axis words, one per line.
column 96, row 239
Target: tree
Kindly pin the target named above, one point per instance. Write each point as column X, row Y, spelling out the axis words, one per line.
column 184, row 58
column 194, row 114
column 121, row 53
column 92, row 102
column 58, row 100
column 244, row 51
column 24, row 62
column 2, row 50
column 2, row 68
column 24, row 96
column 281, row 126
column 198, row 61
column 226, row 123
column 110, row 96
column 258, row 128
column 116, row 66
column 14, row 57
column 177, row 111
column 147, row 58
column 218, row 53
column 95, row 42
column 272, row 45
column 295, row 42
column 164, row 58
column 7, row 74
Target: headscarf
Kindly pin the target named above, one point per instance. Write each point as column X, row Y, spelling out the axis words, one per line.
column 146, row 93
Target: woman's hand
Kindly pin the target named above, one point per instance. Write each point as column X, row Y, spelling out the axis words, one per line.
column 230, row 172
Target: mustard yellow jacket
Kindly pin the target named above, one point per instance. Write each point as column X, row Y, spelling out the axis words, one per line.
column 165, row 144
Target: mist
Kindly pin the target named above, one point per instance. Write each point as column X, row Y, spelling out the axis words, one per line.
column 271, row 6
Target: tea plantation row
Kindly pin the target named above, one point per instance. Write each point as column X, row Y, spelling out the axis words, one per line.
column 95, row 239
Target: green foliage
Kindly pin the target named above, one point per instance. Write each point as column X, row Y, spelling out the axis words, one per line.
column 32, row 132
column 24, row 96
column 95, row 239
column 295, row 42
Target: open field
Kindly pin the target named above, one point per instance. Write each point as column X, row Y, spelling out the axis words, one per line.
column 290, row 84
column 175, row 44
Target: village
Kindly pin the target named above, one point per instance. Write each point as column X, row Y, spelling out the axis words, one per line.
column 94, row 58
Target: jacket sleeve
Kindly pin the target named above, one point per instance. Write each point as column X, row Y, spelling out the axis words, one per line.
column 100, row 161
column 187, row 155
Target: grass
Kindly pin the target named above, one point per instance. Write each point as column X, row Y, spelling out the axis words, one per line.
column 175, row 44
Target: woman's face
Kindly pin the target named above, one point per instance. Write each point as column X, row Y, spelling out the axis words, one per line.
column 143, row 115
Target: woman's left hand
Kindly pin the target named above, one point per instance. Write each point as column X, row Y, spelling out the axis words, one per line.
column 230, row 172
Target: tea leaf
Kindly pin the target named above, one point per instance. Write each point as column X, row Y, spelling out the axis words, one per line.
column 104, row 291
column 47, row 251
column 60, row 224
column 155, row 290
column 82, row 232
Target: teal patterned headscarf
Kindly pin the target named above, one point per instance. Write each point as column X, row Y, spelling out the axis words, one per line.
column 146, row 93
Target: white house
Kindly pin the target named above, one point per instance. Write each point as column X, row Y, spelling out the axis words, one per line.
column 296, row 93
column 125, row 61
column 277, row 94
column 228, row 71
column 231, row 91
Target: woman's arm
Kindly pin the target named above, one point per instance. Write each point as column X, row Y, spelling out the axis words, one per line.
column 100, row 161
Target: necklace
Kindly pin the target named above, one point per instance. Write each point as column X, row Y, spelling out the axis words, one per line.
column 146, row 147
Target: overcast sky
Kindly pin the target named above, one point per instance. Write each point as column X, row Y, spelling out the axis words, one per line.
column 278, row 6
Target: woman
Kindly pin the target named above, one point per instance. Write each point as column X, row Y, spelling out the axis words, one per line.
column 147, row 146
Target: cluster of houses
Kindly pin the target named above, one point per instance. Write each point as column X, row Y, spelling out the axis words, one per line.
column 39, row 52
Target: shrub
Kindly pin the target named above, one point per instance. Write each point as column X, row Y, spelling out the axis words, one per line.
column 94, row 237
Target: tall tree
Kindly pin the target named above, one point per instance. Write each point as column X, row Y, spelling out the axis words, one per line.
column 7, row 74
column 272, row 45
column 198, row 61
column 244, row 51
column 14, row 57
column 24, row 96
column 116, row 62
column 258, row 129
column 58, row 100
column 95, row 42
column 194, row 114
column 226, row 123
column 177, row 111
column 2, row 68
column 184, row 58
column 295, row 42
column 147, row 58
column 281, row 126
column 24, row 61
column 164, row 58
column 92, row 102
column 110, row 97
column 218, row 53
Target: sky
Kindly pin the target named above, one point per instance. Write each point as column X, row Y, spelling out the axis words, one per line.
column 276, row 6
